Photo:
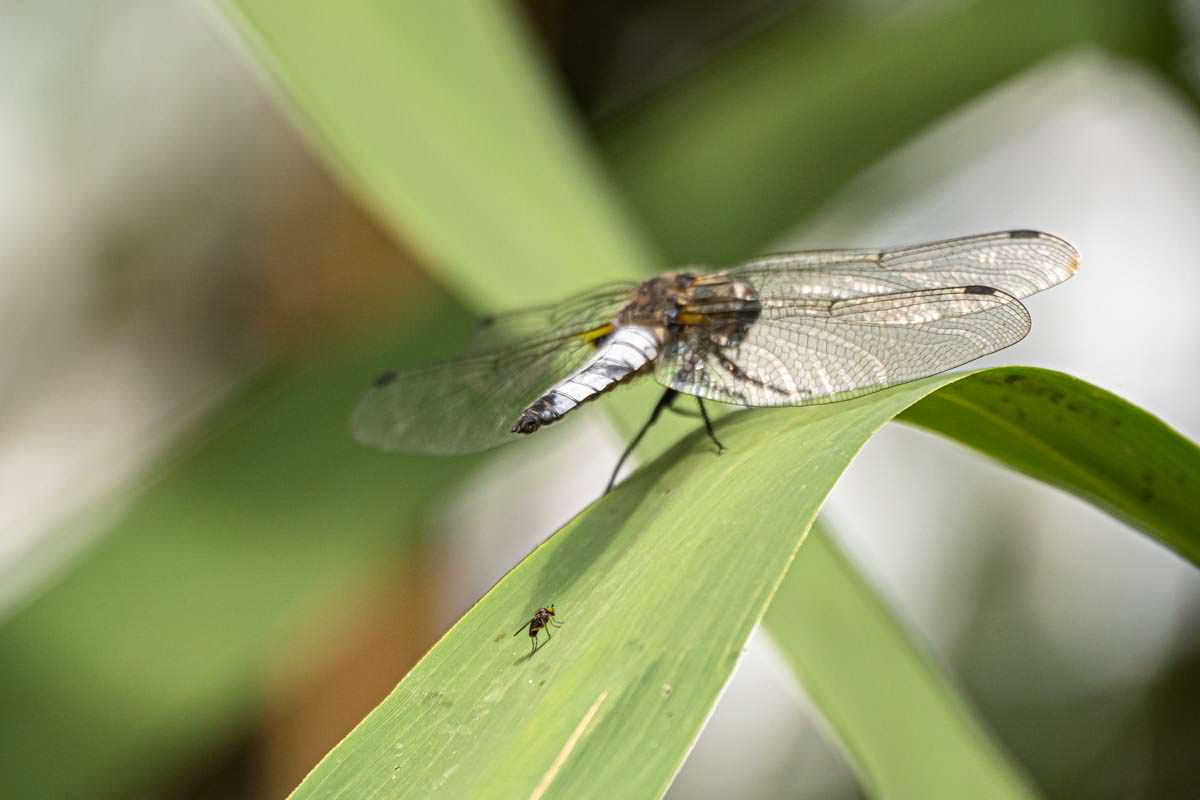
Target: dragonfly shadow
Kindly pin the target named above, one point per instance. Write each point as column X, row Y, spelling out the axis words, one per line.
column 601, row 534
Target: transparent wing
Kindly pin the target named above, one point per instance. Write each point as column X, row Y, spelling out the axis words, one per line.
column 841, row 323
column 470, row 404
column 825, row 351
column 577, row 314
column 1018, row 263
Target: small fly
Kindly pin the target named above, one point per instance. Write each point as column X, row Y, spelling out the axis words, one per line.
column 542, row 618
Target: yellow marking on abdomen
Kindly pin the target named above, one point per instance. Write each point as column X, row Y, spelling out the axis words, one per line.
column 597, row 333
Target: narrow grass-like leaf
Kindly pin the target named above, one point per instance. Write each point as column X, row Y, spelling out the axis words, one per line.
column 659, row 585
column 439, row 117
column 906, row 731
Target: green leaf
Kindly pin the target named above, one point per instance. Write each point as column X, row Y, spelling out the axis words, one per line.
column 659, row 585
column 907, row 732
column 1080, row 438
column 438, row 116
column 159, row 636
column 725, row 163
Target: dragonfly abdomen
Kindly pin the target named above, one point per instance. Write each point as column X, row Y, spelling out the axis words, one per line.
column 625, row 353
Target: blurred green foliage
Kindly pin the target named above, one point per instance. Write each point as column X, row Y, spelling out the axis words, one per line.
column 162, row 632
column 153, row 644
column 722, row 165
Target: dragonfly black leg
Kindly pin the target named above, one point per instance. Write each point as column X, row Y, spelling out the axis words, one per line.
column 708, row 426
column 664, row 402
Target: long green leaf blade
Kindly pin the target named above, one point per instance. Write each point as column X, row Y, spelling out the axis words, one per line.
column 907, row 732
column 660, row 584
column 438, row 115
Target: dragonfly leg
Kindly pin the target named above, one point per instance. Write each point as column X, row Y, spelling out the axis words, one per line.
column 664, row 402
column 708, row 426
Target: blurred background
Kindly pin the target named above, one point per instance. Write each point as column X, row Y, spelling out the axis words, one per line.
column 204, row 583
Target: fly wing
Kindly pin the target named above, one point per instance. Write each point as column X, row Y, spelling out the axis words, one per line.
column 470, row 404
column 832, row 325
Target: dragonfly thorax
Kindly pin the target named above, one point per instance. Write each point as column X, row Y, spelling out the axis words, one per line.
column 657, row 299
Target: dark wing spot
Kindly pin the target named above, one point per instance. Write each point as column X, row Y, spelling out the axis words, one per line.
column 1024, row 234
column 386, row 378
column 978, row 290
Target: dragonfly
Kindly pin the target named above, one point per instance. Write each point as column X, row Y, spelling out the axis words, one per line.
column 792, row 329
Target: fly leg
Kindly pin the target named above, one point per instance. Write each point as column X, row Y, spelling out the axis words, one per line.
column 664, row 402
column 708, row 426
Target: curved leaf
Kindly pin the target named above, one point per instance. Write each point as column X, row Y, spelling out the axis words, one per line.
column 905, row 728
column 659, row 585
column 1078, row 437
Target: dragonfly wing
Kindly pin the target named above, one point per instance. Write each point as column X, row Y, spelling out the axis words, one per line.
column 825, row 351
column 470, row 404
column 835, row 324
column 1018, row 263
column 578, row 314
column 461, row 406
